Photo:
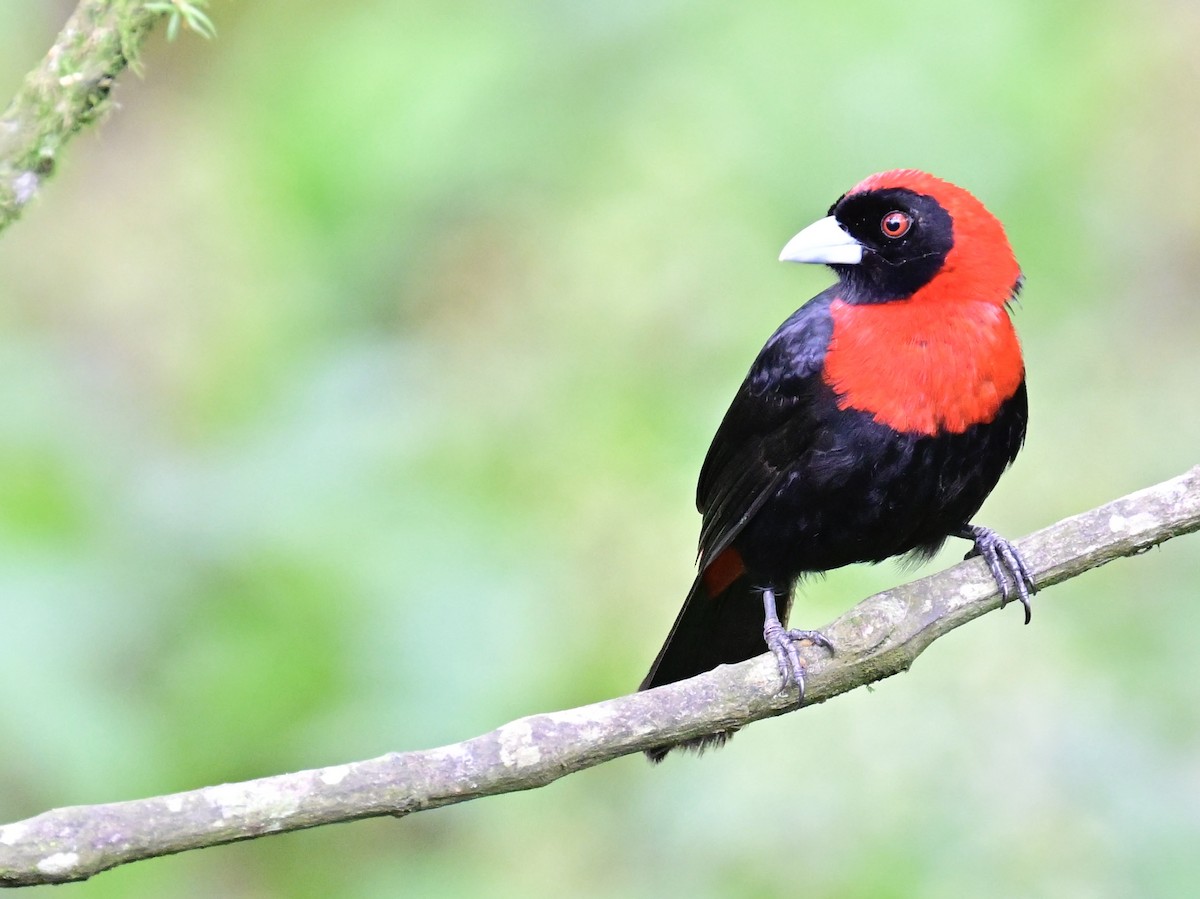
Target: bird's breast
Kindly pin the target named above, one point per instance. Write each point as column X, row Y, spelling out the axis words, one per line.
column 923, row 368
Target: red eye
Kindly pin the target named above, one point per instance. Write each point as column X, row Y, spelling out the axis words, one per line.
column 896, row 224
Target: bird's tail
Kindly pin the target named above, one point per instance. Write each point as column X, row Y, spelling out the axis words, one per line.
column 721, row 623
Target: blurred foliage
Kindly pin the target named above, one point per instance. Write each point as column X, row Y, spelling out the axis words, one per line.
column 355, row 374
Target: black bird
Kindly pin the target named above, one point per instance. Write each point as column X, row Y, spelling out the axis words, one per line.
column 873, row 424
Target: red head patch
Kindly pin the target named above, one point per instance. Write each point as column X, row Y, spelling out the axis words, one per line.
column 981, row 265
column 947, row 356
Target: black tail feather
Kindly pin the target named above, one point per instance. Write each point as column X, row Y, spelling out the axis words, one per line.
column 710, row 631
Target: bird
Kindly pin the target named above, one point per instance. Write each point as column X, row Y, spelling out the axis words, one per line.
column 873, row 423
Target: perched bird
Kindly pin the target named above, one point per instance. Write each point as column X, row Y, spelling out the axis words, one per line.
column 873, row 424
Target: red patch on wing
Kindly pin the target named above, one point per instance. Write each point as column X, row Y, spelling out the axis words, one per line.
column 722, row 571
column 947, row 357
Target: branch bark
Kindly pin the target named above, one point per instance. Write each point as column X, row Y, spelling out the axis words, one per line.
column 66, row 92
column 879, row 637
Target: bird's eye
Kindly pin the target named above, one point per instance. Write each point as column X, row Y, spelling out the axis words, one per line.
column 895, row 224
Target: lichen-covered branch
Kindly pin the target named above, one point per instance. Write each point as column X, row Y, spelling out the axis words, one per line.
column 879, row 637
column 67, row 91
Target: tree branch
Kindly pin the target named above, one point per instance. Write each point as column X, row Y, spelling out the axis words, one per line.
column 66, row 92
column 881, row 636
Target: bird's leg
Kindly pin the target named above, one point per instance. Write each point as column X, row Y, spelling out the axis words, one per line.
column 1004, row 561
column 784, row 643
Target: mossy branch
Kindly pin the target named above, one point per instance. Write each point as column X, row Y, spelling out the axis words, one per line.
column 70, row 89
column 880, row 637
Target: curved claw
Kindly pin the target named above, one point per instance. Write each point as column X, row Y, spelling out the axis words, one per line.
column 787, row 656
column 816, row 638
column 1008, row 568
column 785, row 644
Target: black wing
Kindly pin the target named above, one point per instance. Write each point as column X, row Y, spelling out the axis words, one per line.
column 769, row 425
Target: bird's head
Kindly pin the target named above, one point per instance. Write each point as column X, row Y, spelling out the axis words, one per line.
column 905, row 234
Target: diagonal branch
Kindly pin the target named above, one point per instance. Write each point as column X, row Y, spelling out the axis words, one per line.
column 66, row 92
column 881, row 636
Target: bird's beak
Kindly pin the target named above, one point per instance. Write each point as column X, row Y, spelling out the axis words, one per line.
column 823, row 242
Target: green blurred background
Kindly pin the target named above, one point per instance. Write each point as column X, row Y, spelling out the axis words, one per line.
column 369, row 322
